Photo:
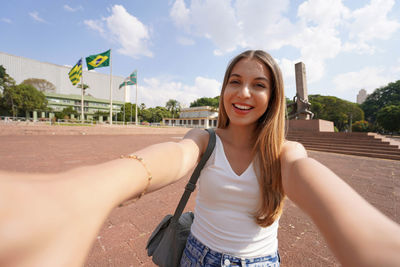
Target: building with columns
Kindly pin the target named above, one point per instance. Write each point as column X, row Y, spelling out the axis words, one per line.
column 201, row 117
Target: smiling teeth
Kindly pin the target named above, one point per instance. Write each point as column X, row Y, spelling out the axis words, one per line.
column 242, row 107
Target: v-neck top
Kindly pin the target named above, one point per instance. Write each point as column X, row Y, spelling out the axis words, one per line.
column 225, row 205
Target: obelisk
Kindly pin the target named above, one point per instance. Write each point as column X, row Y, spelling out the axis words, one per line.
column 301, row 89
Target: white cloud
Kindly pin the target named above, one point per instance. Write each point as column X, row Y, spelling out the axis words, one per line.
column 368, row 78
column 157, row 91
column 71, row 9
column 6, row 20
column 35, row 16
column 185, row 41
column 214, row 20
column 180, row 15
column 369, row 23
column 322, row 29
column 95, row 25
column 126, row 30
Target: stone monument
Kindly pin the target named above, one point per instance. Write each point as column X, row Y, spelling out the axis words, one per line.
column 300, row 118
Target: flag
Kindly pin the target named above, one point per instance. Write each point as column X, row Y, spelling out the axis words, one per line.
column 126, row 82
column 75, row 73
column 133, row 77
column 131, row 80
column 98, row 61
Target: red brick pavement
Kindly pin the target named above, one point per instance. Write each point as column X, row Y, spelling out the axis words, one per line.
column 122, row 240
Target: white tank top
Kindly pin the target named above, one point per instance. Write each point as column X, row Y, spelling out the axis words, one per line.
column 224, row 206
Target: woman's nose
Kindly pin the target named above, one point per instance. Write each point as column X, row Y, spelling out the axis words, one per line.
column 244, row 91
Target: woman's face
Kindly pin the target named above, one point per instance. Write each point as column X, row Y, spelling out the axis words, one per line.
column 247, row 92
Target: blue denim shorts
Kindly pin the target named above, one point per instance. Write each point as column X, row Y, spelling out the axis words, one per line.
column 197, row 254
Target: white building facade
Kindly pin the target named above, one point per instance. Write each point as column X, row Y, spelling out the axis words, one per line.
column 202, row 117
column 20, row 69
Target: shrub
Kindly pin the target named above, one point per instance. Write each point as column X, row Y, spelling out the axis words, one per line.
column 360, row 126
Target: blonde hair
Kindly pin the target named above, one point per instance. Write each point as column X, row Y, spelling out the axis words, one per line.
column 270, row 134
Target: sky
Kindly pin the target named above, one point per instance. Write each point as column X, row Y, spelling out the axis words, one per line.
column 181, row 48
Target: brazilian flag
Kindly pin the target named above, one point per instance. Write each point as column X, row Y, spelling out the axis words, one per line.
column 75, row 73
column 98, row 61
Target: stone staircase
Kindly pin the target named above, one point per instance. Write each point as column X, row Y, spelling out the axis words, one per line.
column 358, row 144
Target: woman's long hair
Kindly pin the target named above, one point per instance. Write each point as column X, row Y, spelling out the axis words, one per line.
column 270, row 132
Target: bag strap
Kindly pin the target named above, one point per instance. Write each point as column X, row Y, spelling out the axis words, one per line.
column 191, row 185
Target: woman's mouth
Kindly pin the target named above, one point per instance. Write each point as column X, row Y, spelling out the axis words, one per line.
column 241, row 108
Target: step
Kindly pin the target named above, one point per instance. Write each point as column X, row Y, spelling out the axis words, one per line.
column 364, row 154
column 336, row 141
column 350, row 149
column 383, row 148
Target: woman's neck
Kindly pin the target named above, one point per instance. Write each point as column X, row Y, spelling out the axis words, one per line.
column 240, row 136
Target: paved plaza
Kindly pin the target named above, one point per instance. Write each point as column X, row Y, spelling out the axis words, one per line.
column 122, row 240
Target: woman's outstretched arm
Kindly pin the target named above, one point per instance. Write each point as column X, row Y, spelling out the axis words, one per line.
column 357, row 233
column 52, row 219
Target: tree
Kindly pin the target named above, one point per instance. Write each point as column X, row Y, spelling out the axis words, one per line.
column 40, row 84
column 6, row 83
column 5, row 79
column 381, row 97
column 23, row 98
column 335, row 109
column 389, row 118
column 129, row 107
column 173, row 106
column 206, row 101
column 155, row 114
column 66, row 113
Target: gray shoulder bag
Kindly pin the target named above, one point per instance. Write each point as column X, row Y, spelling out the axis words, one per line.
column 168, row 240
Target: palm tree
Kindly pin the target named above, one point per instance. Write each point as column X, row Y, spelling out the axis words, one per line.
column 173, row 106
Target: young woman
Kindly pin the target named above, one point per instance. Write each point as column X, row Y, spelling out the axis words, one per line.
column 241, row 190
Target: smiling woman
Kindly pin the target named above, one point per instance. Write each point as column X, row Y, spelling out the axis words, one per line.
column 239, row 201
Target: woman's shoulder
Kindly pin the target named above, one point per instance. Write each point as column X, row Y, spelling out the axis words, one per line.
column 292, row 150
column 200, row 137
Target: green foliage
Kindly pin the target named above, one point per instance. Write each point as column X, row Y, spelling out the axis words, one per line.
column 335, row 109
column 155, row 114
column 174, row 107
column 129, row 107
column 381, row 97
column 389, row 118
column 5, row 79
column 22, row 98
column 40, row 84
column 66, row 113
column 360, row 126
column 206, row 101
column 99, row 113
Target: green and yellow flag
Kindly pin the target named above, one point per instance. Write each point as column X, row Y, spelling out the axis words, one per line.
column 98, row 61
column 75, row 73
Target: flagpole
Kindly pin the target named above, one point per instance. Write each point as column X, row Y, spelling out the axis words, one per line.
column 82, row 114
column 111, row 103
column 136, row 121
column 124, row 100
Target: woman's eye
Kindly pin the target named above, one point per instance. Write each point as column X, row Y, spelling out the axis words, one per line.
column 260, row 85
column 234, row 82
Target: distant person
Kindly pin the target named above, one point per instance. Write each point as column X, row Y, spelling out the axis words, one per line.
column 52, row 219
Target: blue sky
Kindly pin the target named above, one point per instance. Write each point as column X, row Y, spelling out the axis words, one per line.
column 181, row 48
